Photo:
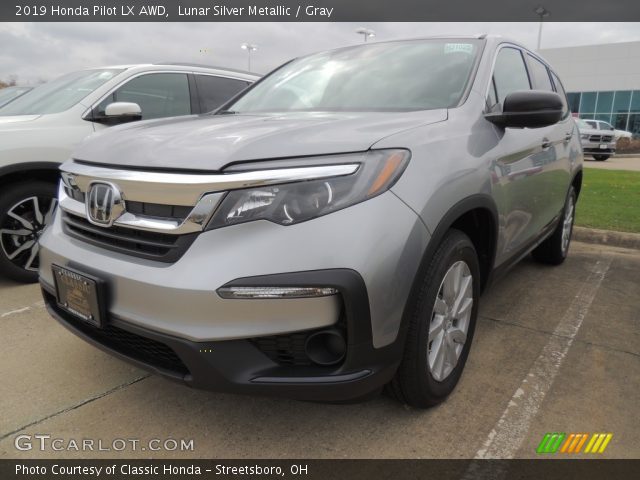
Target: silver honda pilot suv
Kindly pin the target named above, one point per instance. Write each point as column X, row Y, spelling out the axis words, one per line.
column 326, row 233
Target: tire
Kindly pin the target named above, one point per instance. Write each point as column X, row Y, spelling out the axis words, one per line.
column 601, row 158
column 421, row 381
column 18, row 204
column 554, row 250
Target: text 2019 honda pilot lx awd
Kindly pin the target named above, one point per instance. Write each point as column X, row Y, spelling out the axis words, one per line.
column 327, row 232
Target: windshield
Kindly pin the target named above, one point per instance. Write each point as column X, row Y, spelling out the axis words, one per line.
column 583, row 125
column 10, row 93
column 396, row 76
column 59, row 94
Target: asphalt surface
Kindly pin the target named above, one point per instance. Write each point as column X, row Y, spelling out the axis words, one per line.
column 614, row 163
column 557, row 349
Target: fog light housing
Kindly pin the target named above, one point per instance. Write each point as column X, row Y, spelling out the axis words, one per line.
column 248, row 293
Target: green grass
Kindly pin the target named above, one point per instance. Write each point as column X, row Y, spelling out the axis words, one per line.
column 609, row 200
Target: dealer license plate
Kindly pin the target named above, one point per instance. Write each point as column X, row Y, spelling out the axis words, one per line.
column 78, row 294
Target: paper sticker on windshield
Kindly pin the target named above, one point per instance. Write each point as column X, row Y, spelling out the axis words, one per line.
column 458, row 47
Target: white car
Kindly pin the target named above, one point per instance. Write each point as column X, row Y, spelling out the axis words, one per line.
column 602, row 125
column 39, row 130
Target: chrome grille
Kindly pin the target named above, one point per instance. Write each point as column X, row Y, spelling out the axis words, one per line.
column 157, row 214
column 161, row 247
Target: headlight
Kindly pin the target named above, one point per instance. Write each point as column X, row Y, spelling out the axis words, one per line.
column 584, row 136
column 296, row 202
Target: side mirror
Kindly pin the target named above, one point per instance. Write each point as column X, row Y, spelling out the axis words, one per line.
column 123, row 109
column 528, row 109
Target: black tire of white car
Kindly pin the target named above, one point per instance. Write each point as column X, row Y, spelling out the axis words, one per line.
column 415, row 383
column 554, row 250
column 19, row 250
column 601, row 158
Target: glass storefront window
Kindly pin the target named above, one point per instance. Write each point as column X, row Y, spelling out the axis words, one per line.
column 634, row 124
column 620, row 108
column 621, row 101
column 574, row 102
column 588, row 102
column 619, row 121
column 635, row 101
column 605, row 102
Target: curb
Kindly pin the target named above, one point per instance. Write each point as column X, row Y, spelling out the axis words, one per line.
column 607, row 237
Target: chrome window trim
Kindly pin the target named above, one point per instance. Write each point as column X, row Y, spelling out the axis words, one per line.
column 501, row 46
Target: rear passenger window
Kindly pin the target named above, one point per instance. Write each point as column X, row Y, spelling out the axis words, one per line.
column 214, row 91
column 540, row 74
column 509, row 74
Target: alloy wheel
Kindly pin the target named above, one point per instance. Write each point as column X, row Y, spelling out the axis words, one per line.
column 567, row 224
column 21, row 228
column 450, row 320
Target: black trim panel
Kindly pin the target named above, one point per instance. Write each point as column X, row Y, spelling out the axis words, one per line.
column 238, row 366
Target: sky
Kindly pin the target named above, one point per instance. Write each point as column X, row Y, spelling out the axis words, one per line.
column 36, row 52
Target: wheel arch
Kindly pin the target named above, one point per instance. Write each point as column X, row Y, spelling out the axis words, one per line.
column 477, row 217
column 23, row 172
column 576, row 182
column 466, row 215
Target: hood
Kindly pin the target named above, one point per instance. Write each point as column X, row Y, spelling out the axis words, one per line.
column 210, row 142
column 11, row 119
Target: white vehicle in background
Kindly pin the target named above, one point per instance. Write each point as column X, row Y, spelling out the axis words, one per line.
column 39, row 130
column 9, row 94
column 606, row 126
column 600, row 144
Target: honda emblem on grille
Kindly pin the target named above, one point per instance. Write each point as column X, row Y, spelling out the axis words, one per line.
column 104, row 204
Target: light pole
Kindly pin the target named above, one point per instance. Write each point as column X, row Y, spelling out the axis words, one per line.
column 366, row 33
column 249, row 48
column 542, row 13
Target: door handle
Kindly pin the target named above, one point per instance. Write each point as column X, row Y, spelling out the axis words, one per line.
column 546, row 143
column 568, row 136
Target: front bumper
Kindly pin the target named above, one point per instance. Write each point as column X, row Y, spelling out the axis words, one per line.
column 239, row 366
column 595, row 148
column 168, row 318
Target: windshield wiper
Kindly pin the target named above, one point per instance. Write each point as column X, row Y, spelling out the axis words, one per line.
column 227, row 112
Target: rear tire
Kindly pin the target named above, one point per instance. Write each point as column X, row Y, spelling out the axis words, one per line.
column 601, row 158
column 554, row 250
column 25, row 210
column 442, row 317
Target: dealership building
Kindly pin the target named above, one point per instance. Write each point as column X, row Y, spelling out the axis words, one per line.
column 602, row 81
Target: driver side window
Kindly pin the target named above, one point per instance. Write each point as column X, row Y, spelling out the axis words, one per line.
column 509, row 75
column 158, row 95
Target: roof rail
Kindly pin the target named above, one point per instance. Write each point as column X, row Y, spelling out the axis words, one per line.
column 200, row 65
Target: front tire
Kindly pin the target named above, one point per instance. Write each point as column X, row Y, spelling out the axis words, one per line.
column 554, row 250
column 442, row 320
column 25, row 210
column 601, row 158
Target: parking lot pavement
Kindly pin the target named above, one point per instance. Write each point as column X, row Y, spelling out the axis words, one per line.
column 614, row 163
column 556, row 350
